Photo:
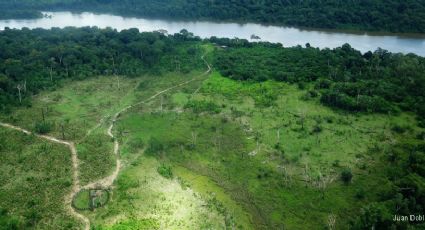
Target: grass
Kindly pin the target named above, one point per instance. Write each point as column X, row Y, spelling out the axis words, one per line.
column 240, row 155
column 84, row 109
column 134, row 224
column 96, row 156
column 77, row 107
column 141, row 193
column 274, row 177
column 212, row 191
column 82, row 200
column 35, row 177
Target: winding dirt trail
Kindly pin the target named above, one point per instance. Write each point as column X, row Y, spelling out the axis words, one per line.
column 106, row 182
column 75, row 170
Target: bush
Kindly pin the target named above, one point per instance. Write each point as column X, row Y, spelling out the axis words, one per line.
column 335, row 163
column 421, row 136
column 136, row 143
column 346, row 175
column 398, row 129
column 203, row 106
column 312, row 93
column 155, row 146
column 317, row 128
column 360, row 194
column 165, row 171
column 43, row 127
column 7, row 221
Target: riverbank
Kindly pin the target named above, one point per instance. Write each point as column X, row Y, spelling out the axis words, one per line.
column 285, row 35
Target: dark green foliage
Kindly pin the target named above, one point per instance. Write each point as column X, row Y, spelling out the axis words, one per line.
column 126, row 182
column 398, row 129
column 203, row 106
column 40, row 59
column 8, row 222
column 346, row 175
column 136, row 144
column 374, row 216
column 317, row 128
column 382, row 15
column 165, row 171
column 405, row 196
column 344, row 78
column 43, row 127
column 155, row 146
column 360, row 193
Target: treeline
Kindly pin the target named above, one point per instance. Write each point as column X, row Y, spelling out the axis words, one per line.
column 343, row 78
column 34, row 60
column 18, row 10
column 19, row 14
column 377, row 15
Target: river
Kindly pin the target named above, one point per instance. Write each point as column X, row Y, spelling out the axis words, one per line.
column 288, row 36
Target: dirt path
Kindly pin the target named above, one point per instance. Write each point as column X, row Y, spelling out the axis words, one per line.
column 75, row 170
column 106, row 182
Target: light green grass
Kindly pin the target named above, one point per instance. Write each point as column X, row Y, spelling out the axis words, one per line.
column 78, row 106
column 82, row 200
column 35, row 177
column 209, row 188
column 141, row 193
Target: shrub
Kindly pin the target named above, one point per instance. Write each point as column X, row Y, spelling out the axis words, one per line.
column 155, row 146
column 398, row 129
column 43, row 127
column 421, row 136
column 335, row 163
column 136, row 143
column 313, row 93
column 346, row 175
column 317, row 128
column 165, row 171
column 301, row 85
column 360, row 194
column 203, row 106
column 7, row 221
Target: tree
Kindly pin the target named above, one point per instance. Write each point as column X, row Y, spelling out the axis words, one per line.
column 19, row 88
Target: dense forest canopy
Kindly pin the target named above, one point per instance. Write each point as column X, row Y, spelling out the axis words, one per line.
column 376, row 15
column 33, row 60
column 343, row 77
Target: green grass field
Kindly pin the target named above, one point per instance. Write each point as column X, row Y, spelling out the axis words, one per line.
column 275, row 158
column 35, row 177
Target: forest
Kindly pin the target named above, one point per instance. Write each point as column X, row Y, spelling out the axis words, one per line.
column 35, row 60
column 371, row 15
column 343, row 78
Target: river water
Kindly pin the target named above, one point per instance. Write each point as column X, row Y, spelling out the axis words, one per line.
column 288, row 36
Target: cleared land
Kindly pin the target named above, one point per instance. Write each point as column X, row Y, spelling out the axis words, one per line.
column 209, row 154
column 35, row 176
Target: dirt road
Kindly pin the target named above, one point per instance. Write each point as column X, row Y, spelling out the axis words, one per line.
column 106, row 182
